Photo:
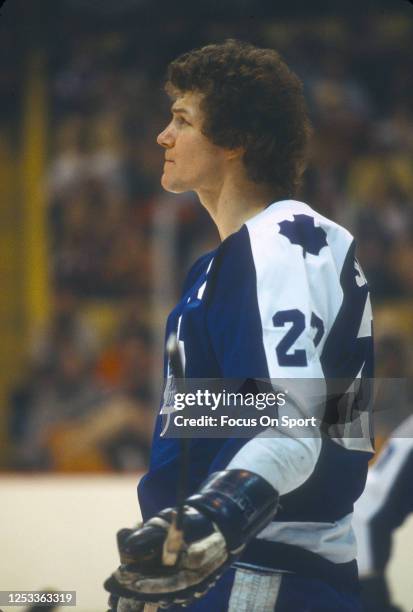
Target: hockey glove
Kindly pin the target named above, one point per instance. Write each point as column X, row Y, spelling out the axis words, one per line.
column 229, row 510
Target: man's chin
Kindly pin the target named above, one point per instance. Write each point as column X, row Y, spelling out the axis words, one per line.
column 172, row 187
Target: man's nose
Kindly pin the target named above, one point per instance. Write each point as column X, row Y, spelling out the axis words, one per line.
column 166, row 138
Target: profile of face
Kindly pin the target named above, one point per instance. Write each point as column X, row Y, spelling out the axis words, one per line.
column 192, row 161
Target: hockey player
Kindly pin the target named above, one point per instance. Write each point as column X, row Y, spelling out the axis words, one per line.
column 267, row 520
column 385, row 504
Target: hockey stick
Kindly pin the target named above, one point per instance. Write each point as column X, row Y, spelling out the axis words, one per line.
column 174, row 540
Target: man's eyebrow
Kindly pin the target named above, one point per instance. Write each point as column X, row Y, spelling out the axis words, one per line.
column 179, row 109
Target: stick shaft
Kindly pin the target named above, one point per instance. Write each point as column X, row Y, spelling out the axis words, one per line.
column 174, row 541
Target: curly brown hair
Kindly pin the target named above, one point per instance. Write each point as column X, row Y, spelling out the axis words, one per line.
column 251, row 99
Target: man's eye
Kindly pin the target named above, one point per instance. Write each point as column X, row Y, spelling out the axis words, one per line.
column 181, row 121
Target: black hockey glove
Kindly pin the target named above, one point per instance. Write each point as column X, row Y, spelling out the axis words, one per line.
column 231, row 508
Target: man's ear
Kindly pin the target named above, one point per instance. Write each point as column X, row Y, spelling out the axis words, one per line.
column 236, row 153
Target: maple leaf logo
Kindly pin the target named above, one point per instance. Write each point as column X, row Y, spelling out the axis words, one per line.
column 303, row 232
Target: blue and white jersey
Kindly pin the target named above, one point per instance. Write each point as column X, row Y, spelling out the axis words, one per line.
column 386, row 502
column 283, row 297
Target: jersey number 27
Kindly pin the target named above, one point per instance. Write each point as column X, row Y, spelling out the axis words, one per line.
column 286, row 356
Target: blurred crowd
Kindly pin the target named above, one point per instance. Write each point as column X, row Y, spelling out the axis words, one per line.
column 86, row 399
column 85, row 402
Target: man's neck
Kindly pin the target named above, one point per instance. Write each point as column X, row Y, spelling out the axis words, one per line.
column 232, row 203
